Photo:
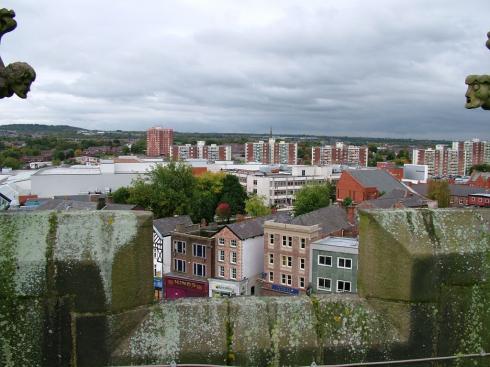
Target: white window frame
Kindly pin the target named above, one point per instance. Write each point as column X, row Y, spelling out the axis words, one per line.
column 302, row 263
column 221, row 255
column 345, row 261
column 203, row 268
column 271, row 276
column 322, row 288
column 183, row 263
column 221, row 271
column 299, row 282
column 221, row 241
column 290, row 241
column 302, row 243
column 194, row 250
column 289, row 279
column 233, row 243
column 284, row 241
column 271, row 238
column 271, row 258
column 234, row 255
column 344, row 283
column 326, row 257
column 231, row 273
column 176, row 246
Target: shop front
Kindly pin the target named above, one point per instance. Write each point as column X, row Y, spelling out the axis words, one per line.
column 271, row 289
column 180, row 287
column 226, row 288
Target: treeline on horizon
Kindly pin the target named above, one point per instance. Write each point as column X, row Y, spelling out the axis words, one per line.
column 215, row 138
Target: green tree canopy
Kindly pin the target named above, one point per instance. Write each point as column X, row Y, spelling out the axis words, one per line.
column 234, row 194
column 166, row 190
column 311, row 197
column 255, row 207
column 480, row 168
column 439, row 191
column 121, row 195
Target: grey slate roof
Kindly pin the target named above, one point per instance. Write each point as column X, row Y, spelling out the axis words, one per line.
column 456, row 190
column 113, row 206
column 59, row 204
column 394, row 197
column 330, row 219
column 166, row 225
column 380, row 179
column 254, row 227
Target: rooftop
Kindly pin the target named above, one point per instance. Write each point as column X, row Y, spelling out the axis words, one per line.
column 338, row 242
column 380, row 179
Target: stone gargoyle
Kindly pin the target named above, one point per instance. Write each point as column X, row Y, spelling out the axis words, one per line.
column 18, row 76
column 478, row 93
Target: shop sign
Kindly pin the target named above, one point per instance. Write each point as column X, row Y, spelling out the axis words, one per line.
column 284, row 289
column 158, row 283
column 184, row 284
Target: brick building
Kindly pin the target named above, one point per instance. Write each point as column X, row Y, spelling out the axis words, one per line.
column 192, row 261
column 271, row 152
column 480, row 179
column 460, row 194
column 340, row 153
column 287, row 248
column 211, row 152
column 159, row 142
column 366, row 184
column 238, row 257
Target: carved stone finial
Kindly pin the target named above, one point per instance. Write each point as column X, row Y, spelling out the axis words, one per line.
column 17, row 77
column 478, row 92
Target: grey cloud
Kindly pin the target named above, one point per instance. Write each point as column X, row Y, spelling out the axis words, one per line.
column 386, row 68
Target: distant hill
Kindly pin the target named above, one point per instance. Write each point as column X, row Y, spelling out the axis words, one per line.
column 41, row 129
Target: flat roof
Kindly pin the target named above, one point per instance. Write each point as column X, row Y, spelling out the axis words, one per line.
column 338, row 242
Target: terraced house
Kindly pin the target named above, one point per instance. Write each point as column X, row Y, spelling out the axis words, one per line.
column 239, row 252
column 287, row 248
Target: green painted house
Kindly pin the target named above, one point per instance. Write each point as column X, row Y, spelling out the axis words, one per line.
column 333, row 265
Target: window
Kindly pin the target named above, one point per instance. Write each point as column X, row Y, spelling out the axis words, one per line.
column 287, row 261
column 303, row 172
column 302, row 263
column 199, row 270
column 343, row 286
column 286, row 279
column 324, row 284
column 271, row 239
column 303, row 243
column 233, row 273
column 179, row 265
column 324, row 260
column 221, row 271
column 221, row 256
column 221, row 241
column 199, row 250
column 179, row 247
column 344, row 263
column 233, row 243
column 284, row 240
column 271, row 276
column 301, row 282
column 271, row 258
column 290, row 241
column 233, row 257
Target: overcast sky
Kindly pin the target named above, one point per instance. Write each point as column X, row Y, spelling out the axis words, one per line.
column 387, row 68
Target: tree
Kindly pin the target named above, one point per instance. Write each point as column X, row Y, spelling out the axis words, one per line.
column 439, row 191
column 138, row 147
column 12, row 163
column 311, row 197
column 121, row 195
column 206, row 196
column 347, row 202
column 484, row 167
column 223, row 211
column 234, row 194
column 255, row 207
column 166, row 191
